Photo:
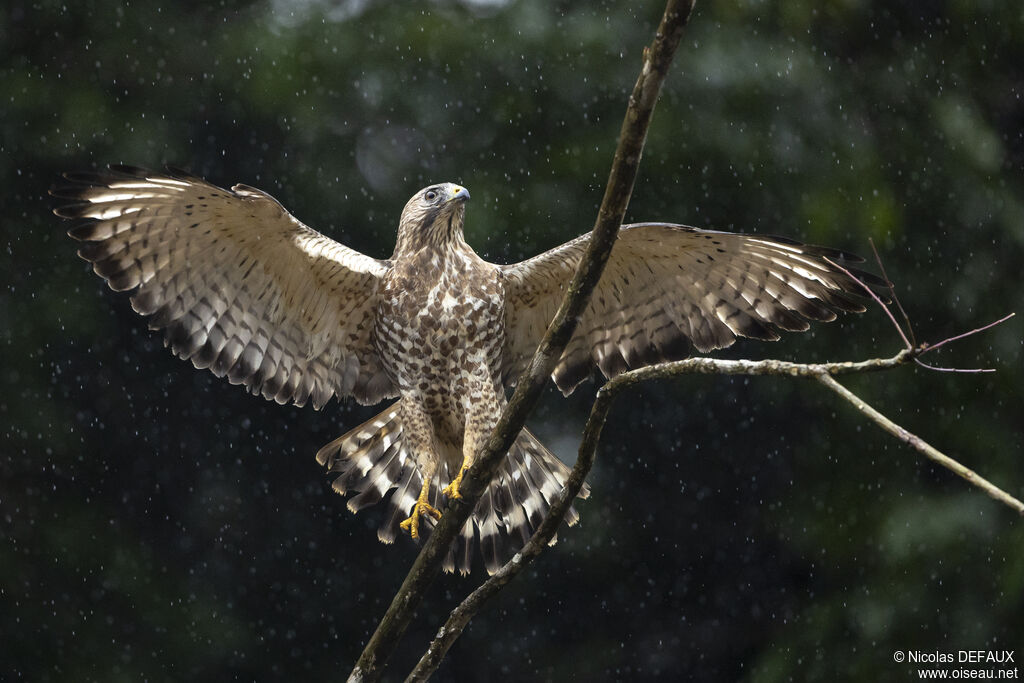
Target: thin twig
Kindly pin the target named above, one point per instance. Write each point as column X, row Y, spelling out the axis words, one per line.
column 925, row 348
column 656, row 60
column 939, row 368
column 910, row 346
column 878, row 300
column 958, row 337
column 892, row 293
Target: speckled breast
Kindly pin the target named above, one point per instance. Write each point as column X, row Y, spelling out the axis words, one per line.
column 440, row 326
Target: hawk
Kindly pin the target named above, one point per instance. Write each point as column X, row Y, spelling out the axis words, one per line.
column 242, row 288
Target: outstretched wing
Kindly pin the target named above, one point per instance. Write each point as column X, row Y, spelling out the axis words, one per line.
column 238, row 284
column 668, row 288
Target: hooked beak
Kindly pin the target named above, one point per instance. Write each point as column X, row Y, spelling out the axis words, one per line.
column 458, row 192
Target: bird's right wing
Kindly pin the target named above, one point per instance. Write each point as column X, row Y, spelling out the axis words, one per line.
column 236, row 282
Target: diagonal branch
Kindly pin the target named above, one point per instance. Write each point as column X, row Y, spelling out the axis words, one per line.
column 469, row 607
column 657, row 58
column 822, row 372
column 922, row 446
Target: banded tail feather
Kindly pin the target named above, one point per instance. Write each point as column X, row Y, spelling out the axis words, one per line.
column 371, row 461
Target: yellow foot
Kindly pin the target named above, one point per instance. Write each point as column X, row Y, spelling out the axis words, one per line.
column 452, row 489
column 412, row 524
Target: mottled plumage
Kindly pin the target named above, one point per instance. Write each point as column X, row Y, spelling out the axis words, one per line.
column 241, row 287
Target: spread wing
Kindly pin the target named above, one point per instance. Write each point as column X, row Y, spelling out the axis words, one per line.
column 236, row 282
column 670, row 288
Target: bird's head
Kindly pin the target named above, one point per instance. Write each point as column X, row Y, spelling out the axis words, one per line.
column 433, row 216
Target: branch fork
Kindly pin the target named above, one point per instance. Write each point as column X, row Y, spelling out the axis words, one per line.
column 656, row 60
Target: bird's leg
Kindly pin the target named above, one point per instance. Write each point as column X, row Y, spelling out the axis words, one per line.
column 473, row 441
column 452, row 489
column 481, row 417
column 422, row 506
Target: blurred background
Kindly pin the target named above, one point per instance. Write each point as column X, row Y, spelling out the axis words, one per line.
column 160, row 524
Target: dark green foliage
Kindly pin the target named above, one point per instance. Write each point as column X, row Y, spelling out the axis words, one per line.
column 160, row 523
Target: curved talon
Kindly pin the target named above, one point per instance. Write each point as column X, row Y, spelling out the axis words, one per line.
column 452, row 489
column 412, row 523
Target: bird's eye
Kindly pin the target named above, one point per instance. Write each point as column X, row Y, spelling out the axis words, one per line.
column 430, row 195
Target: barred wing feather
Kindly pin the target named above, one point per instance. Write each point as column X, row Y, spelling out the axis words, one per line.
column 238, row 285
column 668, row 289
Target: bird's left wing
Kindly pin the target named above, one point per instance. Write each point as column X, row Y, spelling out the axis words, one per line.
column 238, row 284
column 669, row 288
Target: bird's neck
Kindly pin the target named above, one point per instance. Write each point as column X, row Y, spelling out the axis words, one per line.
column 439, row 254
column 443, row 236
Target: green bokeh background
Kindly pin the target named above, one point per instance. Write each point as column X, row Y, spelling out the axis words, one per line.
column 159, row 524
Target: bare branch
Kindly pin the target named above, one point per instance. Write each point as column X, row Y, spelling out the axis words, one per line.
column 939, row 368
column 925, row 348
column 922, row 446
column 910, row 346
column 632, row 135
column 958, row 337
column 878, row 300
column 471, row 605
column 656, row 60
column 892, row 293
column 822, row 372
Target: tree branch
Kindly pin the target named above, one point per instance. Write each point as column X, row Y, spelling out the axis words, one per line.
column 923, row 447
column 471, row 605
column 657, row 58
column 822, row 372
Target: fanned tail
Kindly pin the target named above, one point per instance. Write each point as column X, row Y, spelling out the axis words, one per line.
column 371, row 460
column 534, row 476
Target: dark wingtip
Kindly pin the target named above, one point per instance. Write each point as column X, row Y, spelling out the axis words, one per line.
column 129, row 171
column 178, row 172
column 816, row 250
column 83, row 232
column 65, row 192
column 843, row 258
column 870, row 279
column 70, row 210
